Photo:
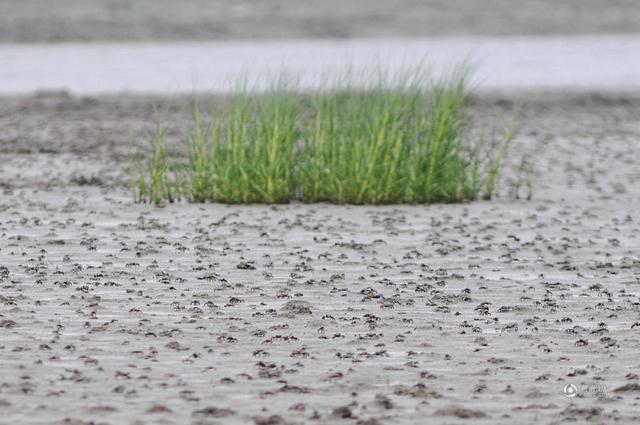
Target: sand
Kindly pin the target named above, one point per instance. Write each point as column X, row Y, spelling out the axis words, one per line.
column 114, row 312
column 117, row 20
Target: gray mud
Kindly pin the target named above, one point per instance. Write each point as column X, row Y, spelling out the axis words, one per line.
column 114, row 312
column 119, row 20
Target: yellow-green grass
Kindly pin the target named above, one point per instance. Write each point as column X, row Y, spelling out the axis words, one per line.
column 393, row 142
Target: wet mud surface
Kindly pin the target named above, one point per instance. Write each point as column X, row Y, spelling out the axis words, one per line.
column 115, row 312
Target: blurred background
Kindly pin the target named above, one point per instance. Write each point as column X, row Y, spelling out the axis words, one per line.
column 169, row 47
column 120, row 20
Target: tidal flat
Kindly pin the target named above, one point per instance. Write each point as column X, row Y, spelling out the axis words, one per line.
column 119, row 312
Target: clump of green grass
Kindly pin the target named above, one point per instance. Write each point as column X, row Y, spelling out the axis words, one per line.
column 152, row 180
column 392, row 142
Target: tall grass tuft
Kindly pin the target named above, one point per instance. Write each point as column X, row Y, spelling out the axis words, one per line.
column 152, row 179
column 390, row 142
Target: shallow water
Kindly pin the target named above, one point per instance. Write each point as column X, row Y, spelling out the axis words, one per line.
column 599, row 63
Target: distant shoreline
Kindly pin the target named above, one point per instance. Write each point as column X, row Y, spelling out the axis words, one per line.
column 31, row 21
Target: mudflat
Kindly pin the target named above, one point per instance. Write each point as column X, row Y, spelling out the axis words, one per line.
column 118, row 20
column 116, row 312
